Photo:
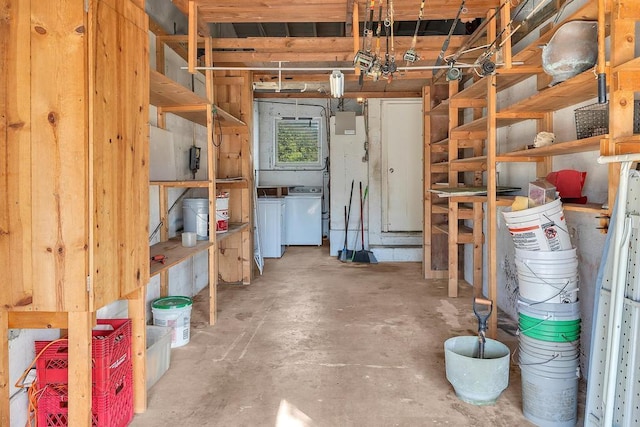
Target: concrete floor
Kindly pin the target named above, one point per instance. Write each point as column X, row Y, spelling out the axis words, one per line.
column 315, row 342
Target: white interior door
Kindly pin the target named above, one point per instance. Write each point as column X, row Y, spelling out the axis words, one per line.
column 402, row 160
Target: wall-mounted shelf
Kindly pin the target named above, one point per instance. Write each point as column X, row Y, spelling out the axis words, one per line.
column 172, row 97
column 232, row 182
column 182, row 184
column 175, row 253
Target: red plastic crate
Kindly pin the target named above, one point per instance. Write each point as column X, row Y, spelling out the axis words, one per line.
column 111, row 409
column 110, row 352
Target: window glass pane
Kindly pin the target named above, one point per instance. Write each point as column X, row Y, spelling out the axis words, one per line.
column 297, row 141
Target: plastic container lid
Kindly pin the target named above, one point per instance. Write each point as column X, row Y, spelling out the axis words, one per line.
column 169, row 303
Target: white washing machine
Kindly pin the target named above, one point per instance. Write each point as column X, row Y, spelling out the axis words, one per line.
column 303, row 216
column 271, row 213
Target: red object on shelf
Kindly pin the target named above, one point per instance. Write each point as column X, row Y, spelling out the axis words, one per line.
column 111, row 374
column 114, row 408
column 110, row 352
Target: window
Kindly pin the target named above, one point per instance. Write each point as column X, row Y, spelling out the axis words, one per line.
column 297, row 143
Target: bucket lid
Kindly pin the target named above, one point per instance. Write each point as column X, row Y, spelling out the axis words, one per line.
column 168, row 303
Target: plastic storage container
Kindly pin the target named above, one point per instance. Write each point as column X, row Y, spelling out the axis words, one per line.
column 158, row 353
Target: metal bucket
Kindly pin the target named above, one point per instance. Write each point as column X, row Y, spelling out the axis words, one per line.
column 571, row 50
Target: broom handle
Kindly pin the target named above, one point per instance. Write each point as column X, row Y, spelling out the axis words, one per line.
column 361, row 215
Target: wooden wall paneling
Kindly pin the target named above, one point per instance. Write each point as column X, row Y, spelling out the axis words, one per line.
column 15, row 155
column 80, row 368
column 106, row 144
column 60, row 155
column 246, row 115
column 228, row 259
column 134, row 70
column 120, row 121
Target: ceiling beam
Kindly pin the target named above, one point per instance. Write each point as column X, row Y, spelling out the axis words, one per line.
column 237, row 11
column 350, row 95
column 320, row 49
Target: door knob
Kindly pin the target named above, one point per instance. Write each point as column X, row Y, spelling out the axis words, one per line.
column 391, row 170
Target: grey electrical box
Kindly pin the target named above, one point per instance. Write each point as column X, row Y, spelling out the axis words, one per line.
column 345, row 123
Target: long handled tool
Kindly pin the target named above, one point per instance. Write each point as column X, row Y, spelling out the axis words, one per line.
column 482, row 315
column 363, row 255
column 344, row 255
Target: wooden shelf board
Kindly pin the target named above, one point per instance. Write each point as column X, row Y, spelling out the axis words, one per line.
column 164, row 92
column 474, row 126
column 174, row 98
column 441, row 109
column 175, row 253
column 183, row 184
column 557, row 149
column 478, row 159
column 442, row 167
column 232, row 183
column 440, row 229
column 233, row 229
column 227, row 118
column 463, row 212
column 441, row 142
column 587, row 207
column 632, row 65
column 570, row 92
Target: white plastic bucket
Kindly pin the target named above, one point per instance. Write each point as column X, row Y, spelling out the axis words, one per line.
column 174, row 312
column 196, row 217
column 542, row 228
column 549, row 401
column 222, row 212
column 547, row 277
column 569, row 311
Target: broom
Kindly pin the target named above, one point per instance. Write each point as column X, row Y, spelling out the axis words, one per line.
column 346, row 255
column 363, row 255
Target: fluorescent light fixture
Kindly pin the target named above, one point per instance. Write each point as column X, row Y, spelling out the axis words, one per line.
column 336, row 82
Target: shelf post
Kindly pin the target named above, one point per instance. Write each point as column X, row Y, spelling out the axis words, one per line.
column 211, row 175
column 138, row 316
column 80, row 324
column 492, row 211
column 4, row 367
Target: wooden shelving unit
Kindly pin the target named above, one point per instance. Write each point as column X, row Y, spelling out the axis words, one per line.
column 457, row 151
column 171, row 97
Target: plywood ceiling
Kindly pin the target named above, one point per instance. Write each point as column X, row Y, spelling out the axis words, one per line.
column 318, row 18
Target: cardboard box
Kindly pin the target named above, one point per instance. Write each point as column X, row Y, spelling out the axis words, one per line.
column 541, row 192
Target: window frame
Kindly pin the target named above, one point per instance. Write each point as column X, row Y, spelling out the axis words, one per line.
column 297, row 165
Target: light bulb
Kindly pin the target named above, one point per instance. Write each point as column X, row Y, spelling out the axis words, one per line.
column 336, row 83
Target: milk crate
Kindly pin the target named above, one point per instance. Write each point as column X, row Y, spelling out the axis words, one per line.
column 113, row 408
column 110, row 353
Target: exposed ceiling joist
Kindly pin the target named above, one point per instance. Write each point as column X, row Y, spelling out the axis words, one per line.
column 234, row 11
